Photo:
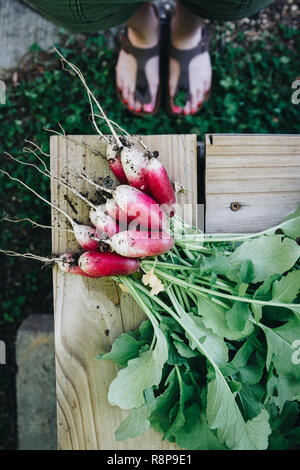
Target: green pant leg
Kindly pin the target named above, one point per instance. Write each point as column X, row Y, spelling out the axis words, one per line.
column 94, row 15
column 86, row 16
column 225, row 10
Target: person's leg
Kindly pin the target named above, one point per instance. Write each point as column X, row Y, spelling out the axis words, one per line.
column 86, row 16
column 143, row 32
column 186, row 30
column 225, row 10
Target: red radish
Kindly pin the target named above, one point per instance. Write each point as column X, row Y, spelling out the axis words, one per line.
column 99, row 217
column 130, row 200
column 69, row 265
column 139, row 244
column 128, row 204
column 141, row 207
column 104, row 224
column 85, row 237
column 116, row 213
column 160, row 186
column 113, row 209
column 114, row 161
column 98, row 264
column 90, row 264
column 134, row 164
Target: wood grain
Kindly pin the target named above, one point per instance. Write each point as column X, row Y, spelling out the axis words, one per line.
column 91, row 313
column 260, row 172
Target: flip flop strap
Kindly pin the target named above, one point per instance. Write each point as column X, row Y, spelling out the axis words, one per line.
column 142, row 90
column 184, row 58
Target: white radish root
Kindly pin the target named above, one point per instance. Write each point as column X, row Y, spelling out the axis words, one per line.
column 84, row 234
column 91, row 98
column 30, row 256
column 35, row 224
column 81, row 144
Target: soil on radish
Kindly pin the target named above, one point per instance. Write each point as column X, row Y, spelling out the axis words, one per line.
column 104, row 247
column 124, row 142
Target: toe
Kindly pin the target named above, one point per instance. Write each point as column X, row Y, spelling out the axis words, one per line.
column 175, row 109
column 194, row 102
column 187, row 108
column 138, row 106
column 153, row 91
column 131, row 100
column 125, row 93
column 200, row 95
column 148, row 108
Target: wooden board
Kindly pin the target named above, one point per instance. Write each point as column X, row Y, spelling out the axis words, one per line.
column 259, row 172
column 91, row 313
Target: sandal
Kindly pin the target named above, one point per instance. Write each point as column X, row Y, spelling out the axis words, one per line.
column 184, row 58
column 142, row 90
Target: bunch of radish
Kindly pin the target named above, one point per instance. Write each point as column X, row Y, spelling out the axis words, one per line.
column 129, row 225
column 143, row 171
column 112, row 229
column 132, row 223
column 144, row 204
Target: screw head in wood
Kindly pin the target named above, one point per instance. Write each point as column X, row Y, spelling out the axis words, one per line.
column 235, row 206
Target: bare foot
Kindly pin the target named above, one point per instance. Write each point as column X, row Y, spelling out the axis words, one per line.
column 143, row 32
column 200, row 72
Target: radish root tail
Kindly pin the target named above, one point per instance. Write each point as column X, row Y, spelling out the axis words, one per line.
column 92, row 97
column 30, row 256
column 35, row 224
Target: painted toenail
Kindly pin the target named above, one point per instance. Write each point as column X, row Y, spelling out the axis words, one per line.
column 176, row 109
column 193, row 111
column 131, row 108
column 125, row 101
column 148, row 107
column 138, row 110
